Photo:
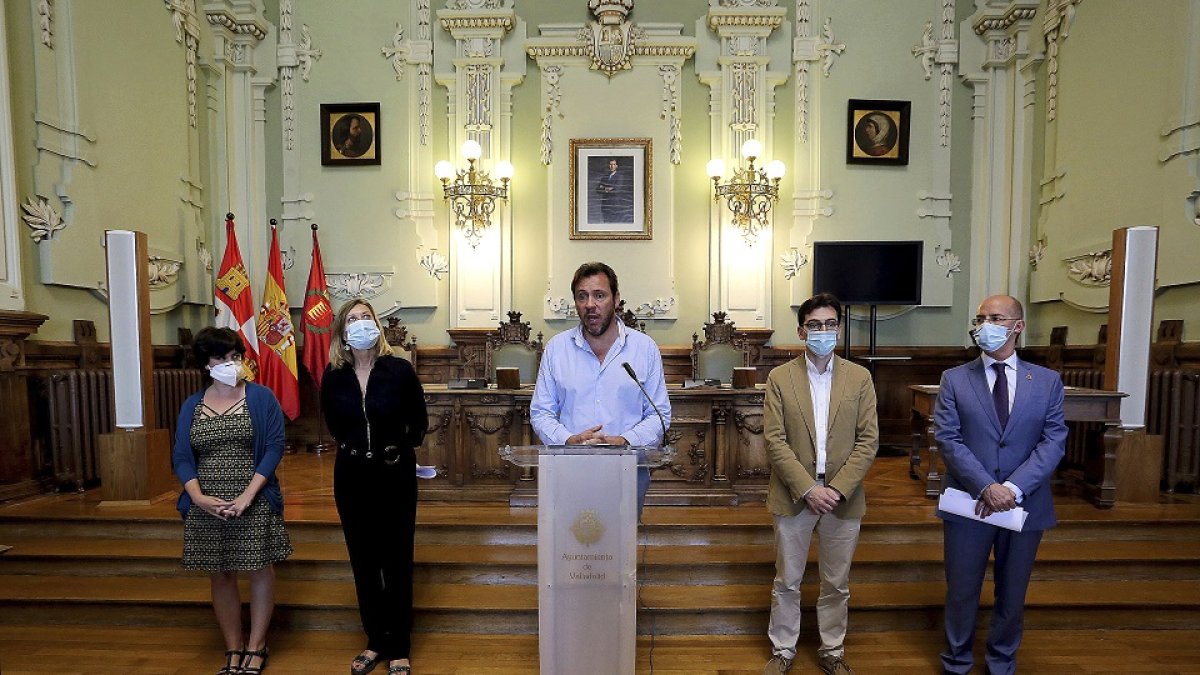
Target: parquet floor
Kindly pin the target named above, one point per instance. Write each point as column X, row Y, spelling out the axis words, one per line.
column 69, row 650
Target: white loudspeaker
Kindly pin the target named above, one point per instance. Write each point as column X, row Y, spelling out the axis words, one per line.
column 128, row 319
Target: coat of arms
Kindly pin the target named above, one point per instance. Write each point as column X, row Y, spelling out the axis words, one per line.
column 587, row 528
column 611, row 40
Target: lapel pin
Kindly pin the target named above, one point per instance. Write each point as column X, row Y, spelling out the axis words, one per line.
column 1028, row 376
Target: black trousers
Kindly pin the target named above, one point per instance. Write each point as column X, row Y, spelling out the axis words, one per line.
column 377, row 504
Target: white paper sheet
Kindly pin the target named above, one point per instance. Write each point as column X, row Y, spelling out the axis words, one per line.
column 961, row 504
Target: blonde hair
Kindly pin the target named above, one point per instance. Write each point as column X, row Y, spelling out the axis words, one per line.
column 339, row 355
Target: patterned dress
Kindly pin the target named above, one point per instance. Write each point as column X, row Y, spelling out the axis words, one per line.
column 224, row 447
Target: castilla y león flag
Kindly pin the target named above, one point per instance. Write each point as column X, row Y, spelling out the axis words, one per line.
column 317, row 319
column 276, row 338
column 232, row 297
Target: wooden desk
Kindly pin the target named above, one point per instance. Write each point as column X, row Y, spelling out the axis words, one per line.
column 1079, row 405
column 720, row 455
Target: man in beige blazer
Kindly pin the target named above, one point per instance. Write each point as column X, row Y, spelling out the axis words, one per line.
column 822, row 433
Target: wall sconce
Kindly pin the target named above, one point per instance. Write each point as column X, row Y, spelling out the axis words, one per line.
column 750, row 192
column 473, row 193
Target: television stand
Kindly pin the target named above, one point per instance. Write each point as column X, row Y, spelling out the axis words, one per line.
column 871, row 358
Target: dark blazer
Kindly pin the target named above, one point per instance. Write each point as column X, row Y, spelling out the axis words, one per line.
column 267, row 419
column 393, row 413
column 977, row 452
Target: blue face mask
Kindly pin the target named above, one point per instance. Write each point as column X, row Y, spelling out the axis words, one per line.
column 990, row 336
column 362, row 334
column 822, row 342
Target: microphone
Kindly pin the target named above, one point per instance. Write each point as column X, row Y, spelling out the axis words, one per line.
column 633, row 376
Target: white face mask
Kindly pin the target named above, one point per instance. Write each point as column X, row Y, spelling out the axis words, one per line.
column 990, row 336
column 362, row 334
column 822, row 342
column 227, row 373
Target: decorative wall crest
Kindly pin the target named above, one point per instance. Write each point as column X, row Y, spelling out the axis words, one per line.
column 552, row 76
column 187, row 33
column 42, row 219
column 435, row 265
column 1091, row 269
column 45, row 12
column 947, row 260
column 292, row 56
column 733, row 4
column 478, row 4
column 418, row 52
column 565, row 307
column 611, row 40
column 364, row 285
column 791, row 262
column 670, row 107
column 1037, row 252
column 827, row 47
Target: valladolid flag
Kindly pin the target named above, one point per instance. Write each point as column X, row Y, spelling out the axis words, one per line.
column 317, row 319
column 232, row 297
column 276, row 338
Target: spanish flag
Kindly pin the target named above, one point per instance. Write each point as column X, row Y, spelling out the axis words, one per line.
column 276, row 337
column 316, row 321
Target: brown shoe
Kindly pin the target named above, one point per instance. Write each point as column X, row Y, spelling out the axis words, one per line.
column 778, row 665
column 834, row 665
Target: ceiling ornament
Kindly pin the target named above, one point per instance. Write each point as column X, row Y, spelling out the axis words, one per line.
column 670, row 108
column 611, row 40
column 42, row 219
column 357, row 285
column 791, row 262
column 947, row 260
column 187, row 33
column 45, row 12
column 553, row 76
column 292, row 56
column 1060, row 14
column 1091, row 269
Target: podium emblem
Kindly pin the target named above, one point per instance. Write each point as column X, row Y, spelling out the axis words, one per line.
column 587, row 528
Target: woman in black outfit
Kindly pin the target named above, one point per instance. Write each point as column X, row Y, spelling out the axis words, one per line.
column 375, row 409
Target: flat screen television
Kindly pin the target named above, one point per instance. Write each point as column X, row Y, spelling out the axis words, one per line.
column 869, row 272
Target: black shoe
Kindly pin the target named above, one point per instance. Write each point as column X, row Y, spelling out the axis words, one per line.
column 247, row 669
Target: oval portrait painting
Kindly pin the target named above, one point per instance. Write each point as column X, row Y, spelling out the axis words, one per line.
column 876, row 135
column 352, row 136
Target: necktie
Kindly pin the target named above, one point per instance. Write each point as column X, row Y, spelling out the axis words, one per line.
column 1000, row 393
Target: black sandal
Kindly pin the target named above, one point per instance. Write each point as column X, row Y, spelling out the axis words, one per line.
column 232, row 667
column 263, row 654
column 400, row 670
column 365, row 663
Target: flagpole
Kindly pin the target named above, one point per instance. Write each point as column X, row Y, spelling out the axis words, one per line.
column 316, row 294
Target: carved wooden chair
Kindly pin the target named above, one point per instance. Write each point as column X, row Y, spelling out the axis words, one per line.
column 511, row 347
column 629, row 318
column 721, row 351
column 403, row 344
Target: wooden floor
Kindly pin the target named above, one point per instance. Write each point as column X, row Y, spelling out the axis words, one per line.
column 901, row 537
column 66, row 650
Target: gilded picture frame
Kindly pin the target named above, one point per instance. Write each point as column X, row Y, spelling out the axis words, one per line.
column 877, row 131
column 350, row 134
column 611, row 193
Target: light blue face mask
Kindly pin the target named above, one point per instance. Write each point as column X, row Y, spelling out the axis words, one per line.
column 990, row 336
column 822, row 342
column 362, row 334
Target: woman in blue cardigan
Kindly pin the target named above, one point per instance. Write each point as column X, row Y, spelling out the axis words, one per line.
column 228, row 441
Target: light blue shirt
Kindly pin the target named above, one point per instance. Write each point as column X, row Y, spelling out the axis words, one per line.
column 575, row 391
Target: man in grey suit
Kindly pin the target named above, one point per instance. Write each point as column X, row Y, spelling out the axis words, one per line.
column 999, row 425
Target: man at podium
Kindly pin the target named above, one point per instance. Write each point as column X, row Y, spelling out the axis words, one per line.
column 592, row 377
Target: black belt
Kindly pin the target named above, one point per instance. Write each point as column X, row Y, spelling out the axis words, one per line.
column 820, row 476
column 389, row 455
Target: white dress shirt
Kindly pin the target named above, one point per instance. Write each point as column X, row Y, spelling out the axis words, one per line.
column 819, row 387
column 1010, row 374
column 575, row 391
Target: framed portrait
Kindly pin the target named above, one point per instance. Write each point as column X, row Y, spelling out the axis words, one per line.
column 350, row 134
column 877, row 132
column 611, row 190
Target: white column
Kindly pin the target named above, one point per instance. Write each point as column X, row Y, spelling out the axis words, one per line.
column 11, row 294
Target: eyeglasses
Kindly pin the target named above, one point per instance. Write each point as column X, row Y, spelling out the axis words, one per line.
column 831, row 324
column 995, row 318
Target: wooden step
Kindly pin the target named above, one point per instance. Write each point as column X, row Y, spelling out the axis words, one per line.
column 669, row 609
